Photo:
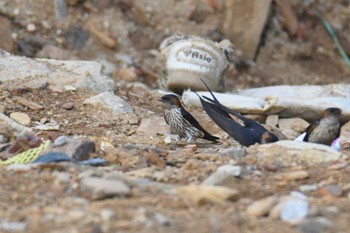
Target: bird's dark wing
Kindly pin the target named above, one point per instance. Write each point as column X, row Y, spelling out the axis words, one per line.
column 245, row 136
column 196, row 124
column 311, row 128
column 247, row 122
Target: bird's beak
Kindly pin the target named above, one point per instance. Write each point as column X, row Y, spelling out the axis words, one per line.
column 161, row 100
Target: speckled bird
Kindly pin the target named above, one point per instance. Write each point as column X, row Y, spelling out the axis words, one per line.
column 181, row 122
column 325, row 129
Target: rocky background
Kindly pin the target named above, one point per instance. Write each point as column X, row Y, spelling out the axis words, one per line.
column 286, row 186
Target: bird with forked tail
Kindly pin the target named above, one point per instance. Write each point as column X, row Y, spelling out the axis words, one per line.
column 181, row 122
column 248, row 133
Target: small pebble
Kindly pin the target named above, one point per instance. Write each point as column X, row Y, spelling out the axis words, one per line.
column 68, row 106
column 314, row 225
column 331, row 190
column 31, row 27
column 2, row 109
column 43, row 120
column 106, row 214
column 60, row 141
column 308, row 187
column 296, row 175
column 127, row 74
column 223, row 173
column 62, row 176
column 262, row 206
column 20, row 117
column 162, row 219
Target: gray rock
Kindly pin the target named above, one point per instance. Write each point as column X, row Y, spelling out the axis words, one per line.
column 314, row 225
column 60, row 141
column 82, row 75
column 123, row 58
column 294, row 211
column 61, row 9
column 99, row 84
column 110, row 101
column 37, row 84
column 108, row 68
column 235, row 152
column 12, row 226
column 7, row 42
column 153, row 126
column 287, row 152
column 162, row 219
column 100, row 188
column 54, row 52
column 292, row 127
column 222, row 173
column 272, row 120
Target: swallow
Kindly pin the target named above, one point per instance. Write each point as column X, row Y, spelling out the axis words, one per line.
column 247, row 133
column 181, row 122
column 325, row 129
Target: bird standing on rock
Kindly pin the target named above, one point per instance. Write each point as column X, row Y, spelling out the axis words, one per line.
column 182, row 123
column 325, row 129
column 247, row 133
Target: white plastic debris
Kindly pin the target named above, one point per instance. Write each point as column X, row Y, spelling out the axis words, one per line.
column 52, row 125
column 187, row 59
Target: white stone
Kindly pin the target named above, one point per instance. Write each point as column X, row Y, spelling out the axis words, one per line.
column 294, row 211
column 110, row 101
column 31, row 27
column 222, row 173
